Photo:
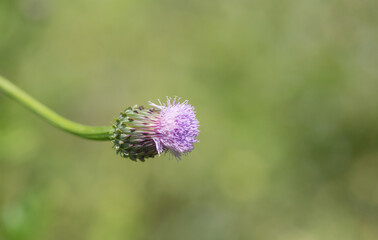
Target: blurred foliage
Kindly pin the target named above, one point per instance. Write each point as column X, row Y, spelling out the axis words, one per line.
column 286, row 93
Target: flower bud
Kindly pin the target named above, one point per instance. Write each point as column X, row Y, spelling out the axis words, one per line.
column 141, row 133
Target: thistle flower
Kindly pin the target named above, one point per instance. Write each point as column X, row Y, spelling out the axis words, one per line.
column 138, row 133
column 141, row 133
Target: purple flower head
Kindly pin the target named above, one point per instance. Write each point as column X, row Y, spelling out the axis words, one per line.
column 177, row 127
column 141, row 133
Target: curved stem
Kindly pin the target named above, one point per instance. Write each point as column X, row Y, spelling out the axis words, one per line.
column 89, row 132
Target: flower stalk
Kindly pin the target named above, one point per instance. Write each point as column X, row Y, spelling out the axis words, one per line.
column 84, row 131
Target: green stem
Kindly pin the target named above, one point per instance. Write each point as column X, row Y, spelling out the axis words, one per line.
column 89, row 132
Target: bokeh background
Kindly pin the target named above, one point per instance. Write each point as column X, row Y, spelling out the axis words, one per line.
column 286, row 93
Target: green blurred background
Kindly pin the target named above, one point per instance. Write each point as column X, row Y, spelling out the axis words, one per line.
column 286, row 93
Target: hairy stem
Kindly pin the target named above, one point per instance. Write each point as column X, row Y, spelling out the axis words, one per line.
column 89, row 132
